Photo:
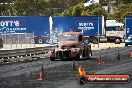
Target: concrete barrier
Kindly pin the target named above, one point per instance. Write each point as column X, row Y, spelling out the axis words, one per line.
column 106, row 45
column 24, row 52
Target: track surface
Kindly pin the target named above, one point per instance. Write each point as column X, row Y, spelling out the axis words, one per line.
column 59, row 74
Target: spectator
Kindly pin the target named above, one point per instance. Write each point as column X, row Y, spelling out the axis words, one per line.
column 1, row 43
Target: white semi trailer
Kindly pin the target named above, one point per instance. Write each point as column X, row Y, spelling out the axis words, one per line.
column 114, row 31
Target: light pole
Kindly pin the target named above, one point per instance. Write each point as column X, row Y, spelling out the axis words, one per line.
column 98, row 26
column 33, row 40
column 98, row 31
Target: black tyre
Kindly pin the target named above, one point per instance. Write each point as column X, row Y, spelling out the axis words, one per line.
column 40, row 41
column 32, row 41
column 1, row 45
column 52, row 58
column 80, row 55
column 86, row 41
column 81, row 80
column 117, row 41
column 126, row 44
column 95, row 41
column 47, row 41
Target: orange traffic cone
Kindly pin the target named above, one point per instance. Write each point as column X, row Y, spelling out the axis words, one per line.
column 130, row 54
column 100, row 61
column 41, row 74
column 118, row 56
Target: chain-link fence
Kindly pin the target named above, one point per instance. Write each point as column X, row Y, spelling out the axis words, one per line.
column 17, row 38
column 22, row 40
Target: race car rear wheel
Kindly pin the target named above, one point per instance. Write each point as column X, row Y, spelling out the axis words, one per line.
column 52, row 58
column 126, row 44
column 81, row 80
column 80, row 55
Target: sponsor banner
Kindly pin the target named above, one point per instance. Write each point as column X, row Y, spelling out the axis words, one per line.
column 97, row 78
column 39, row 25
column 11, row 26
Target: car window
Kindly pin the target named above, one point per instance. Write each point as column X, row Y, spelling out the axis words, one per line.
column 129, row 38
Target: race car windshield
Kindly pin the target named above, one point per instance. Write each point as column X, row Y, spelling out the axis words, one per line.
column 68, row 38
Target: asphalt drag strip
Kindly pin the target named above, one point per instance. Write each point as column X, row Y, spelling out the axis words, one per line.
column 60, row 74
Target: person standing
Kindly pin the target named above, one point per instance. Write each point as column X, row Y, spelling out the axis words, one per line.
column 1, row 43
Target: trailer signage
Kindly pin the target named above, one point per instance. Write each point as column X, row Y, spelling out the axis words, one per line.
column 85, row 26
column 11, row 26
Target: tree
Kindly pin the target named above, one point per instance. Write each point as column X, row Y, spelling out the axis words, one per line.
column 122, row 11
column 5, row 7
column 29, row 7
column 126, row 1
column 103, row 2
column 86, row 13
column 77, row 10
column 67, row 12
column 62, row 6
column 111, row 17
column 80, row 10
column 37, row 7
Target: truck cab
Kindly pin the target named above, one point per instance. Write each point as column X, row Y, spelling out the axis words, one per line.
column 114, row 31
column 70, row 46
